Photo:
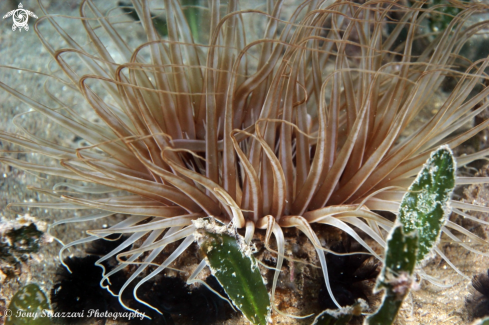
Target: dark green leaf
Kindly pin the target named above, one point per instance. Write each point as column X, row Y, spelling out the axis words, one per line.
column 424, row 208
column 29, row 306
column 239, row 275
column 396, row 276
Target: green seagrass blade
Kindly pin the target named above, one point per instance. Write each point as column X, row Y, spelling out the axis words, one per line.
column 396, row 276
column 29, row 306
column 422, row 214
column 234, row 266
column 424, row 208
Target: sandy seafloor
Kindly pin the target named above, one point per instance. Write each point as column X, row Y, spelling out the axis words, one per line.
column 429, row 305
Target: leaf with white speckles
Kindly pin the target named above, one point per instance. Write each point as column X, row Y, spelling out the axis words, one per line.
column 424, row 207
column 238, row 274
column 422, row 214
column 396, row 277
column 29, row 306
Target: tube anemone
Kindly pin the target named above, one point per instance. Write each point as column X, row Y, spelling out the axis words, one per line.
column 282, row 118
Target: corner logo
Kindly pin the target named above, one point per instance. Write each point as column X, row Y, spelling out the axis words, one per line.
column 20, row 17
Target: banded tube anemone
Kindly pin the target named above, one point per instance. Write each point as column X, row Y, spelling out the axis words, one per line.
column 265, row 117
